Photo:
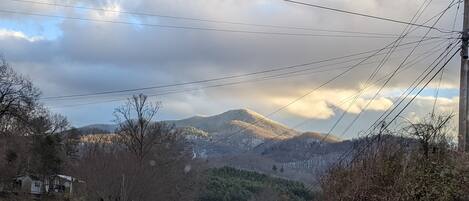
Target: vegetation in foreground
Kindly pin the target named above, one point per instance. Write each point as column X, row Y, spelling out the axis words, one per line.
column 424, row 167
column 229, row 184
column 152, row 161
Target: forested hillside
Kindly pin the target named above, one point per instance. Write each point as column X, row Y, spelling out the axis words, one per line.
column 229, row 184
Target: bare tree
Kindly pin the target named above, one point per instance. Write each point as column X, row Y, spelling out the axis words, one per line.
column 136, row 127
column 147, row 160
column 421, row 166
column 18, row 96
column 431, row 134
column 18, row 101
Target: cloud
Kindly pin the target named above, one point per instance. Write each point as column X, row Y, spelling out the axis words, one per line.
column 97, row 56
column 321, row 104
column 17, row 35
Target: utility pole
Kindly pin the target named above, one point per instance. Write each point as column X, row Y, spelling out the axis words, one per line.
column 463, row 137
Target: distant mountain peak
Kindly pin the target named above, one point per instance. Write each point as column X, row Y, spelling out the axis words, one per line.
column 322, row 137
column 242, row 114
column 243, row 111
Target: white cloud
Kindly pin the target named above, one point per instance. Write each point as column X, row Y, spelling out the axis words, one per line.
column 90, row 57
column 6, row 34
column 110, row 11
column 321, row 104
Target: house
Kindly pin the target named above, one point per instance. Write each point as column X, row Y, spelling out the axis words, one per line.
column 60, row 184
column 34, row 185
column 30, row 184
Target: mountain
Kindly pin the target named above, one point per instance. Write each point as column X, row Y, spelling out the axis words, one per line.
column 248, row 140
column 231, row 132
column 97, row 129
column 303, row 147
column 241, row 128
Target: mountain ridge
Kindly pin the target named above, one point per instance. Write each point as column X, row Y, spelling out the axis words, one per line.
column 239, row 128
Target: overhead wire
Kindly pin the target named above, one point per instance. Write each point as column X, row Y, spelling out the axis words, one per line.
column 280, row 74
column 405, row 107
column 424, row 6
column 368, row 16
column 400, row 65
column 410, row 64
column 443, row 72
column 168, row 26
column 374, row 97
column 343, row 156
column 343, row 73
column 402, row 98
column 270, row 70
column 404, row 33
column 302, row 72
column 148, row 14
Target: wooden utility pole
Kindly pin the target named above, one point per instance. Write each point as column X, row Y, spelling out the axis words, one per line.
column 463, row 137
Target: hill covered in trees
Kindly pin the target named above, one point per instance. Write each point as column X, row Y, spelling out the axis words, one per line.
column 229, row 184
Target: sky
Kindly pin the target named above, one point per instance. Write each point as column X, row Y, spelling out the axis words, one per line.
column 66, row 49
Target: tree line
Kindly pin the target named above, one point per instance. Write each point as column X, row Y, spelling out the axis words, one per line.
column 146, row 160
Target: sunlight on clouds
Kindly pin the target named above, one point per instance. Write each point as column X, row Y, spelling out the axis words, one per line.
column 103, row 15
column 423, row 105
column 317, row 109
column 321, row 104
column 4, row 34
column 443, row 105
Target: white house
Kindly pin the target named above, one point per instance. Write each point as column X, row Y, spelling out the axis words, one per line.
column 30, row 184
column 53, row 184
column 60, row 184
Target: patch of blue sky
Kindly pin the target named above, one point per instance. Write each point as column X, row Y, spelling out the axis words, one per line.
column 446, row 93
column 136, row 21
column 268, row 7
column 430, row 92
column 48, row 28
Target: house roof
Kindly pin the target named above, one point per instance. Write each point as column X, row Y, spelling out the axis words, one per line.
column 65, row 177
column 33, row 177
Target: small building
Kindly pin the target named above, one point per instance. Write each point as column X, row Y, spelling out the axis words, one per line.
column 30, row 184
column 60, row 184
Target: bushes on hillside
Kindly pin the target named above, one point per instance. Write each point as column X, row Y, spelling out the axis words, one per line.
column 425, row 167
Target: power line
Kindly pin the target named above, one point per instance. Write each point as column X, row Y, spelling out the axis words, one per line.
column 443, row 72
column 395, row 71
column 408, row 103
column 367, row 15
column 379, row 67
column 416, row 82
column 437, row 93
column 411, row 84
column 198, row 19
column 411, row 64
column 405, row 32
column 343, row 156
column 265, row 78
column 196, row 28
column 420, row 75
column 317, row 88
column 327, row 82
column 442, row 12
column 277, row 69
column 426, row 84
column 402, row 97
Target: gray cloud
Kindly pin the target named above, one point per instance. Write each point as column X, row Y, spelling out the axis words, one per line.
column 90, row 57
